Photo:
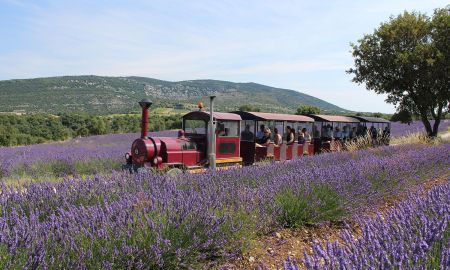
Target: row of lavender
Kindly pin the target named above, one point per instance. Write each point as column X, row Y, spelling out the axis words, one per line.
column 153, row 221
column 102, row 153
column 414, row 235
column 87, row 155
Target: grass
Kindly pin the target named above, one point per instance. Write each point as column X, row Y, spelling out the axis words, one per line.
column 365, row 142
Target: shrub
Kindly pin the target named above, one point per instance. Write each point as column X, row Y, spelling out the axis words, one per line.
column 309, row 206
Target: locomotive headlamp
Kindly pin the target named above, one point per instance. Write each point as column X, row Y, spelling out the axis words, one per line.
column 200, row 105
column 127, row 156
column 155, row 160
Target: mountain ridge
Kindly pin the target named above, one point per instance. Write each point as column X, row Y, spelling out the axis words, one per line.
column 108, row 94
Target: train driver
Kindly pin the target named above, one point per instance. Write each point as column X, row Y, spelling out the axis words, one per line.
column 247, row 135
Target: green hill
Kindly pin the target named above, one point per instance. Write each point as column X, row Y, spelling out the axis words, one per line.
column 95, row 94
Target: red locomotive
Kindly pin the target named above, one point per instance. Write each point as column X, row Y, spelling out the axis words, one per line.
column 231, row 139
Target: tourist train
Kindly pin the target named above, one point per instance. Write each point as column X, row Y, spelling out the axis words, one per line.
column 228, row 139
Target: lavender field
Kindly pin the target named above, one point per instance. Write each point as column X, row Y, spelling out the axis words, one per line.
column 413, row 235
column 83, row 156
column 148, row 221
column 398, row 129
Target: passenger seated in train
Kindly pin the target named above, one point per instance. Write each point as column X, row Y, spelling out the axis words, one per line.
column 364, row 131
column 360, row 131
column 345, row 133
column 265, row 140
column 260, row 133
column 386, row 132
column 246, row 134
column 315, row 131
column 373, row 132
column 290, row 135
column 337, row 133
column 327, row 132
column 353, row 132
column 386, row 135
column 277, row 140
column 301, row 136
column 306, row 135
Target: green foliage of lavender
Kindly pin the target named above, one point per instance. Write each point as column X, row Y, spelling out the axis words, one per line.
column 308, row 205
column 146, row 220
column 414, row 235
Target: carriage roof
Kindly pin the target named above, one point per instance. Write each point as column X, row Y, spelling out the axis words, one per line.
column 371, row 119
column 202, row 115
column 262, row 116
column 334, row 118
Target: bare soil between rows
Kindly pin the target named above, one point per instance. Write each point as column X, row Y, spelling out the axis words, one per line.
column 270, row 251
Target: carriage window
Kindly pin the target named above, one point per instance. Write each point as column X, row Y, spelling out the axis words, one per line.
column 195, row 126
column 227, row 128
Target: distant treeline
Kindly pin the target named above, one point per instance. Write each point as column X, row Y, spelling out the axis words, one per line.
column 38, row 128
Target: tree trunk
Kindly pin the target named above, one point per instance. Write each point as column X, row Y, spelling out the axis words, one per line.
column 426, row 123
column 437, row 119
column 436, row 127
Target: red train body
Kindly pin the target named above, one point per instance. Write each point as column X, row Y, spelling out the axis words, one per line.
column 189, row 151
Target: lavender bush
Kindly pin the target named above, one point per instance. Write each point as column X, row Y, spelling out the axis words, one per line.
column 146, row 221
column 414, row 235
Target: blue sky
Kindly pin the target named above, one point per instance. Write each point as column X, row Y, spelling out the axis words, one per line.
column 299, row 45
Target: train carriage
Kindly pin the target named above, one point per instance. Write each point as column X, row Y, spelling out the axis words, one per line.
column 376, row 126
column 256, row 121
column 227, row 130
column 331, row 131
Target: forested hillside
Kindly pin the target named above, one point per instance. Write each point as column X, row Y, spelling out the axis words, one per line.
column 94, row 94
column 38, row 128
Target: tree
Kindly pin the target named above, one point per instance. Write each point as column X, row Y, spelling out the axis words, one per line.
column 307, row 109
column 377, row 114
column 248, row 108
column 408, row 58
column 403, row 116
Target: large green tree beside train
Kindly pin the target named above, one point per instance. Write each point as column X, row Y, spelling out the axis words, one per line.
column 408, row 58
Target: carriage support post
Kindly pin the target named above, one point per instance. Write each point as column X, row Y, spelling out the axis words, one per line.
column 212, row 133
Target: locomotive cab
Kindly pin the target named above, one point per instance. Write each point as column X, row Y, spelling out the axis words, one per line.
column 226, row 131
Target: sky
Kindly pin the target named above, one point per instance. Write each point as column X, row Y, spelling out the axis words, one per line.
column 298, row 45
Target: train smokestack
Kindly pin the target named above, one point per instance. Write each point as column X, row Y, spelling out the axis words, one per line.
column 145, row 104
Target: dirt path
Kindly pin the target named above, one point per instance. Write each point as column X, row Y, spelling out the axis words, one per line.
column 271, row 251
